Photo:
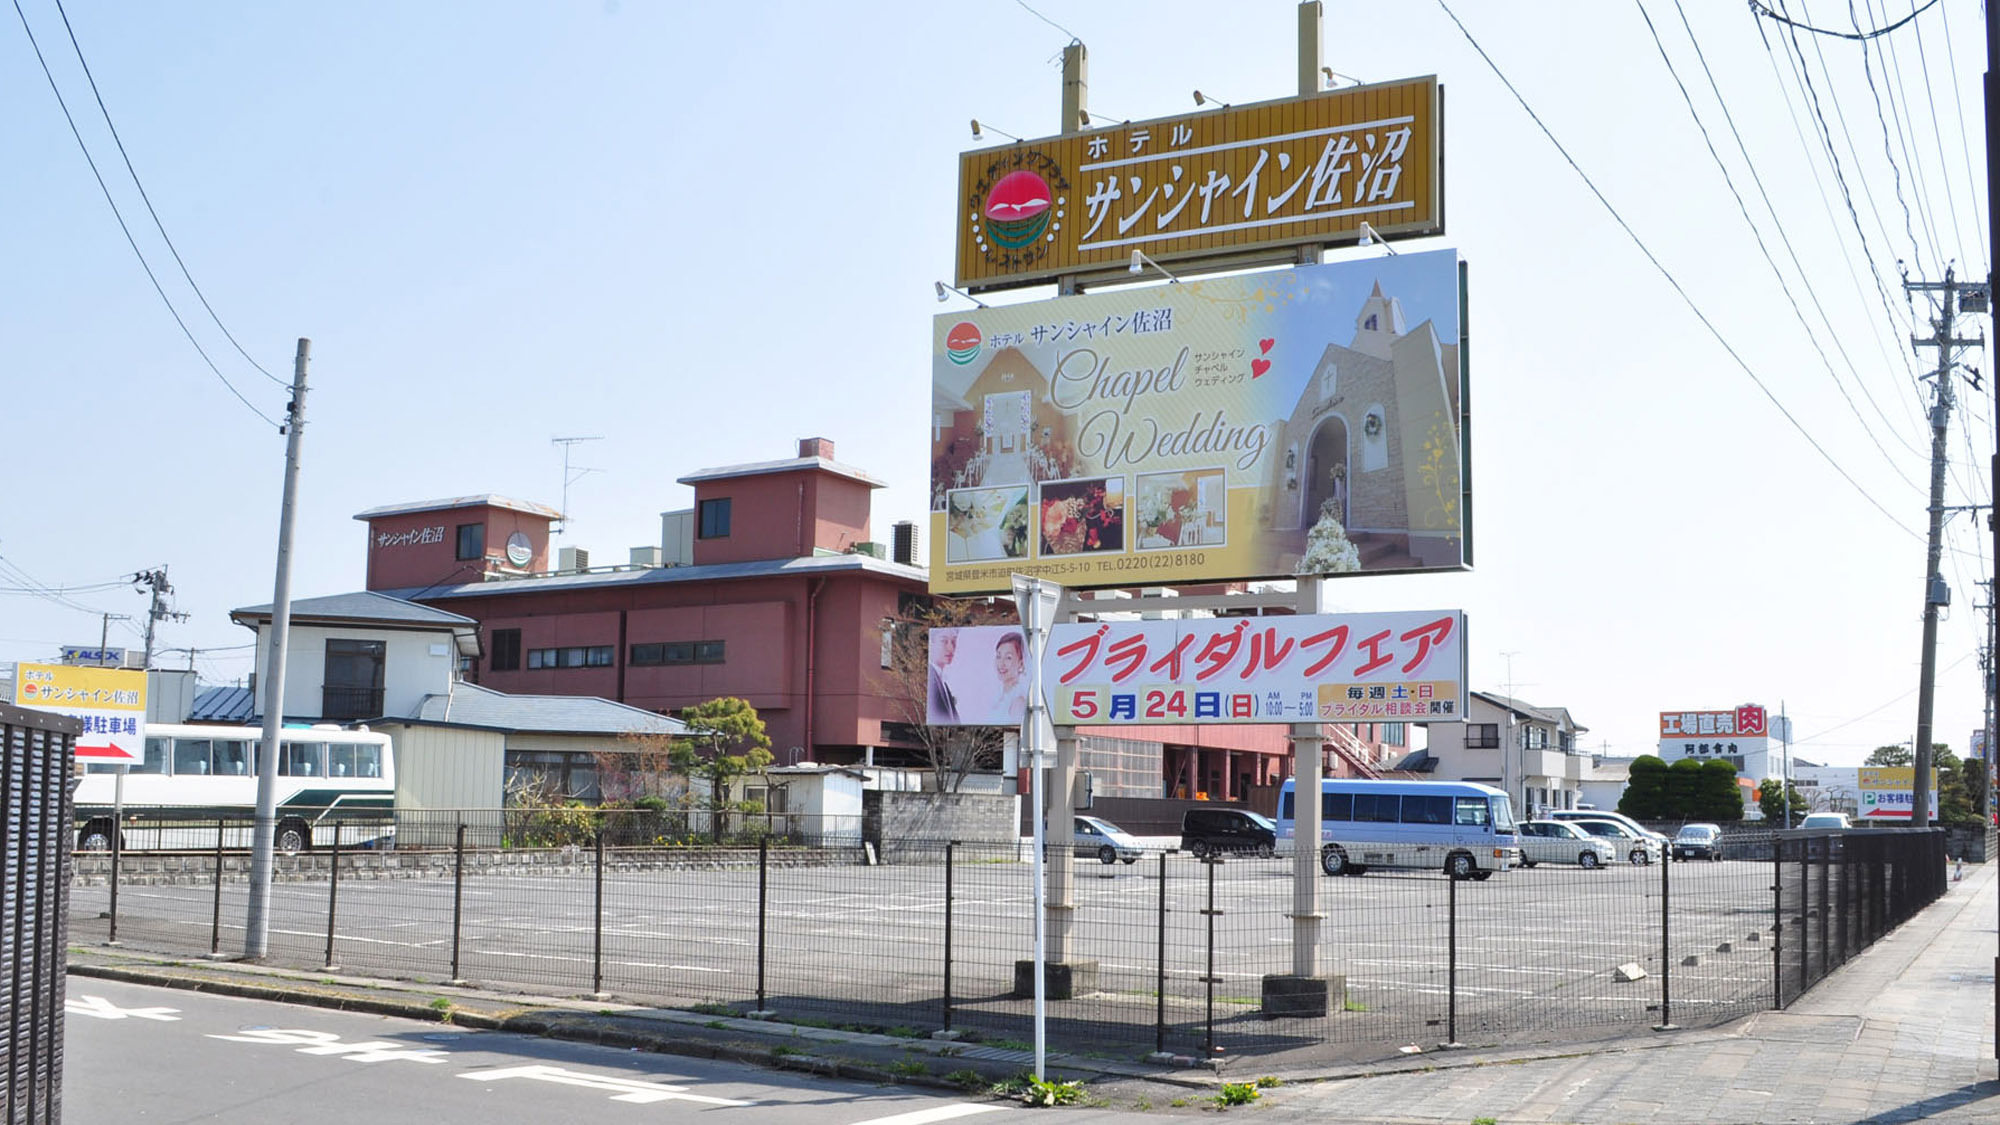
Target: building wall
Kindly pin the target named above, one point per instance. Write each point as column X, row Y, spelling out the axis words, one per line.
column 441, row 769
column 412, row 665
column 401, row 565
column 783, row 515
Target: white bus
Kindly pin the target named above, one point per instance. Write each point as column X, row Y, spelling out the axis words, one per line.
column 1462, row 828
column 194, row 776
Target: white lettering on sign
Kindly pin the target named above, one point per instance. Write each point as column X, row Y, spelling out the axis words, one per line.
column 624, row 1089
column 412, row 536
column 327, row 1043
column 100, row 1008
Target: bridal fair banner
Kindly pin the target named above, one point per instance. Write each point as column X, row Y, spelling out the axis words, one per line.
column 1297, row 421
column 1406, row 666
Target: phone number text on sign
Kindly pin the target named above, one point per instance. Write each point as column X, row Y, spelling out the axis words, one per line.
column 1091, row 704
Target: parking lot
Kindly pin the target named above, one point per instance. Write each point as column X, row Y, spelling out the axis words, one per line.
column 1526, row 954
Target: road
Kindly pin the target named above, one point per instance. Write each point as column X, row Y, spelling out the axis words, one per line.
column 135, row 1053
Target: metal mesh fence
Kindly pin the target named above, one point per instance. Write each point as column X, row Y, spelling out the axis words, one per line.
column 1163, row 952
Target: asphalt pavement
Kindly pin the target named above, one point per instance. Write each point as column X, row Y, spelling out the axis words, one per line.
column 1903, row 1032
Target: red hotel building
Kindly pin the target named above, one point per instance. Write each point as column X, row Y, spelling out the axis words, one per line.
column 771, row 588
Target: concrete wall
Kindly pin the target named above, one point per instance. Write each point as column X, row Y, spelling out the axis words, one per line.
column 908, row 823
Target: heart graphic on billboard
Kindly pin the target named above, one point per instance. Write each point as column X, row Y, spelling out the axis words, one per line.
column 1258, row 367
column 1264, row 346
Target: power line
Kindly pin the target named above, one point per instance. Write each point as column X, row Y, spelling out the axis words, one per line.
column 1802, row 73
column 1864, row 36
column 157, row 224
column 1744, row 210
column 122, row 226
column 1895, row 169
column 1671, row 279
column 1971, row 188
column 1937, row 134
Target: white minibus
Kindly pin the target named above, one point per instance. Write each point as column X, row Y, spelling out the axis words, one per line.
column 194, row 776
column 1462, row 828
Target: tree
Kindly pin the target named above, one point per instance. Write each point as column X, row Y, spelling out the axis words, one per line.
column 952, row 752
column 726, row 742
column 1890, row 756
column 1719, row 798
column 1684, row 789
column 1772, row 797
column 1645, row 796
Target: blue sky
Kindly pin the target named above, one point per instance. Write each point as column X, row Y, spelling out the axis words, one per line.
column 702, row 232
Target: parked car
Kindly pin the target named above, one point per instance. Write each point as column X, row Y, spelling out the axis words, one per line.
column 1635, row 847
column 1825, row 820
column 1206, row 832
column 1556, row 841
column 1698, row 841
column 1105, row 840
column 1659, row 842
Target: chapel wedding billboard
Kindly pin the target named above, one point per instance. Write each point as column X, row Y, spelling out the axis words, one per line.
column 1301, row 421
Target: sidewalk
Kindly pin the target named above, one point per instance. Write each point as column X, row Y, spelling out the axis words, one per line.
column 1903, row 1032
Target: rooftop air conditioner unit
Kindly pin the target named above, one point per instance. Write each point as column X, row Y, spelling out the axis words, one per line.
column 572, row 559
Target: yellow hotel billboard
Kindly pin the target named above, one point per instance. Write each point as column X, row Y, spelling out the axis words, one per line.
column 1297, row 421
column 1234, row 181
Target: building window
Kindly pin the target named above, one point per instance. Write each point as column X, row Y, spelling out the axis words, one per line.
column 1392, row 734
column 506, row 650
column 553, row 773
column 352, row 685
column 714, row 519
column 676, row 652
column 1482, row 736
column 472, row 541
column 580, row 656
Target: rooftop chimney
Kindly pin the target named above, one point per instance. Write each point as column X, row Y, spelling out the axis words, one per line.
column 816, row 447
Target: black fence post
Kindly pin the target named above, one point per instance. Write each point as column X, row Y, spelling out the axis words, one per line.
column 117, row 838
column 950, row 859
column 1160, row 971
column 1666, row 947
column 1826, row 960
column 597, row 923
column 332, row 893
column 1208, row 978
column 1451, row 961
column 1777, row 924
column 1805, row 916
column 215, row 920
column 763, row 904
column 457, row 900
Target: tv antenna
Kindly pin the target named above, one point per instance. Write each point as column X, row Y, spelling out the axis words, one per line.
column 571, row 475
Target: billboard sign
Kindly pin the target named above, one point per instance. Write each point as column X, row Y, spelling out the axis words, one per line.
column 94, row 655
column 1299, row 421
column 1239, row 181
column 1747, row 721
column 1885, row 792
column 110, row 702
column 1354, row 667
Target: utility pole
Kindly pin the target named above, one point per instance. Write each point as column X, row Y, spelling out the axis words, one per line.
column 156, row 580
column 257, row 928
column 1980, row 801
column 1937, row 593
column 104, row 634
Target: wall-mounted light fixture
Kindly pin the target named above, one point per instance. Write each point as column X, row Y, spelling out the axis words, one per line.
column 1140, row 261
column 1370, row 236
column 944, row 293
column 978, row 135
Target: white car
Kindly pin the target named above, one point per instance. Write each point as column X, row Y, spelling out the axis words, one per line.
column 1636, row 848
column 1554, row 841
column 1660, row 843
column 1825, row 820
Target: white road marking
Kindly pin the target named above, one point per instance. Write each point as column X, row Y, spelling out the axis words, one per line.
column 625, row 1089
column 926, row 1116
column 103, row 1009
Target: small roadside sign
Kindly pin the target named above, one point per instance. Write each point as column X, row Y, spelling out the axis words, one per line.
column 110, row 702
